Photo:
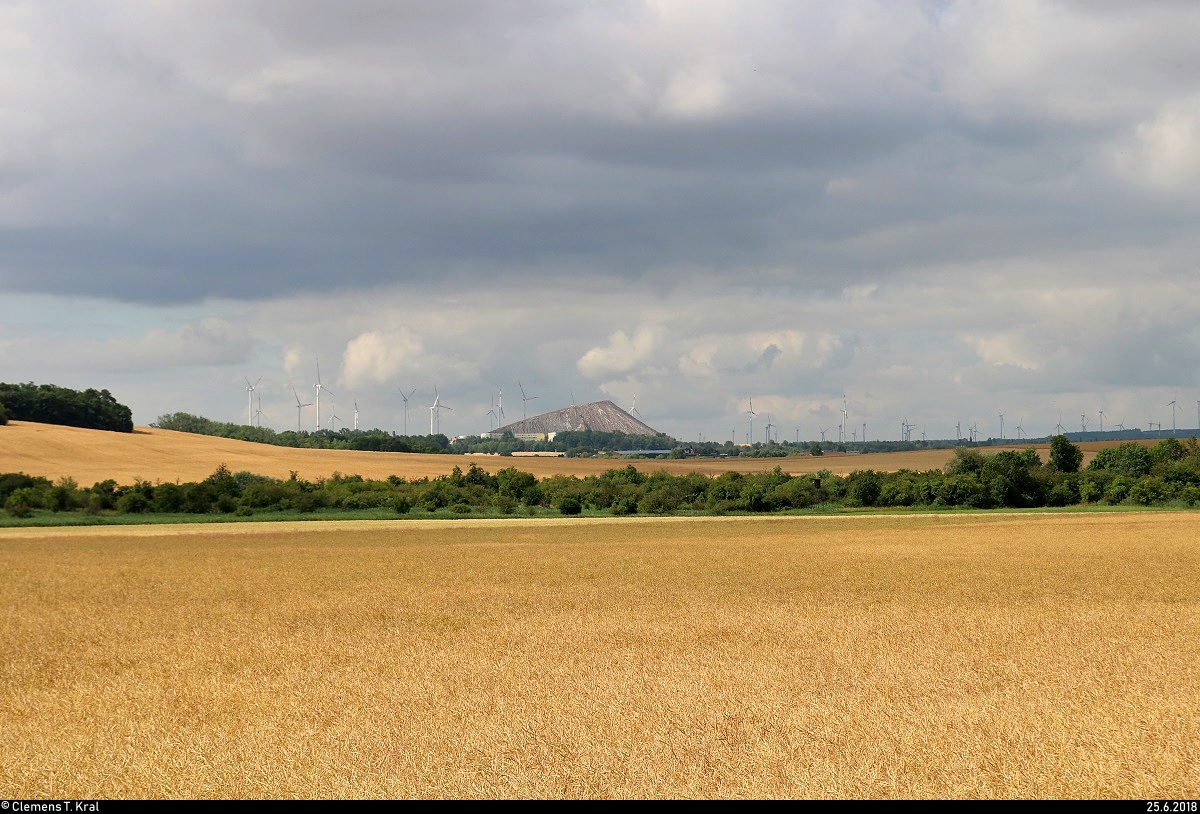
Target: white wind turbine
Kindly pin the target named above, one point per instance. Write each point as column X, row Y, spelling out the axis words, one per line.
column 500, row 407
column 1101, row 420
column 250, row 400
column 751, row 413
column 769, row 427
column 405, row 396
column 492, row 415
column 356, row 414
column 299, row 408
column 319, row 387
column 435, row 413
column 633, row 410
column 1171, row 404
column 524, row 400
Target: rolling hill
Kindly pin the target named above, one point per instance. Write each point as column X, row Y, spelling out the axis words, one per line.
column 156, row 455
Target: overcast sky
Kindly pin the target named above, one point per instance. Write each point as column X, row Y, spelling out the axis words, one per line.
column 923, row 212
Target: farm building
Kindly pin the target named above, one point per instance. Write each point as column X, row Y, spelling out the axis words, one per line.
column 598, row 416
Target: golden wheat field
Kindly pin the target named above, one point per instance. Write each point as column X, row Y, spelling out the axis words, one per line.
column 951, row 656
column 155, row 455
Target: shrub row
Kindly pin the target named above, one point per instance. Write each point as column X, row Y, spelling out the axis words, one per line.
column 1166, row 473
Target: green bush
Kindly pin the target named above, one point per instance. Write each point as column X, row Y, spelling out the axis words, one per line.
column 624, row 505
column 569, row 504
column 21, row 503
column 134, row 502
column 1148, row 491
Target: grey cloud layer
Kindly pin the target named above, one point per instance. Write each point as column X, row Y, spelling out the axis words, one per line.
column 976, row 197
column 277, row 147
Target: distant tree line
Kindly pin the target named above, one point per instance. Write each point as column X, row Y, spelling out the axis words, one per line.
column 376, row 440
column 1167, row 473
column 50, row 404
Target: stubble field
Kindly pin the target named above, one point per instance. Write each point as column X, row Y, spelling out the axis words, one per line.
column 965, row 656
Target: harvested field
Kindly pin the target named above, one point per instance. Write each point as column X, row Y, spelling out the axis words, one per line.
column 923, row 657
column 155, row 455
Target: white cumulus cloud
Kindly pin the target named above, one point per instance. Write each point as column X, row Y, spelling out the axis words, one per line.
column 622, row 354
column 376, row 357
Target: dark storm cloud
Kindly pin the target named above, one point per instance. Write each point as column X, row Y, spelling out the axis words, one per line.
column 376, row 167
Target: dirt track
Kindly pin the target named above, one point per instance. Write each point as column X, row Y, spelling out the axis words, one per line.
column 157, row 455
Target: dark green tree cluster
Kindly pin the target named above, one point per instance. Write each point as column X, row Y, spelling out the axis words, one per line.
column 1167, row 473
column 50, row 404
column 374, row 440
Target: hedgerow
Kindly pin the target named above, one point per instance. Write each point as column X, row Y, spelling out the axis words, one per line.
column 1165, row 474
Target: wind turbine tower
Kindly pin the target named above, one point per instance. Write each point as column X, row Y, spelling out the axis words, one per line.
column 1002, row 426
column 751, row 413
column 356, row 414
column 1101, row 420
column 299, row 408
column 319, row 387
column 435, row 413
column 1171, row 404
column 405, row 397
column 250, row 400
column 524, row 400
